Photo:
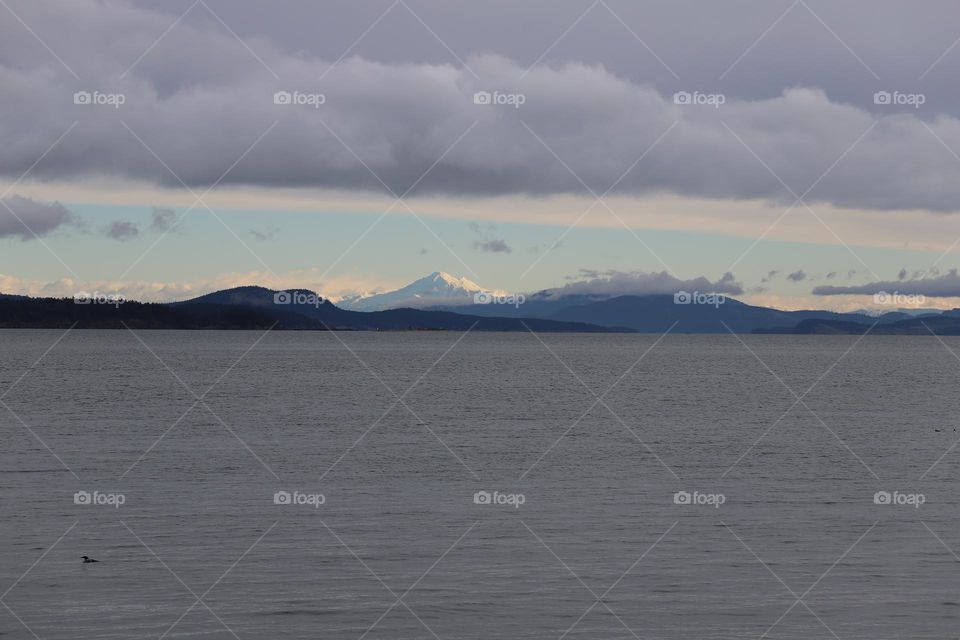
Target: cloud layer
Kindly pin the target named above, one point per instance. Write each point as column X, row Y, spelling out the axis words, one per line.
column 200, row 100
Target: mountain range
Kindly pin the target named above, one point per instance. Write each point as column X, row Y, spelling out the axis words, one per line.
column 649, row 313
column 444, row 302
column 655, row 313
column 254, row 308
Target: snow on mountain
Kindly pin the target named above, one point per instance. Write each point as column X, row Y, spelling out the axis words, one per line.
column 438, row 288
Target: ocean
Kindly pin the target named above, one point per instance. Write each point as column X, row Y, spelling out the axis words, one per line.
column 446, row 486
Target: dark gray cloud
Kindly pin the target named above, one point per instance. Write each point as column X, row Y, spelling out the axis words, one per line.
column 26, row 218
column 642, row 283
column 698, row 40
column 831, row 275
column 902, row 275
column 770, row 275
column 797, row 276
column 122, row 230
column 199, row 99
column 942, row 286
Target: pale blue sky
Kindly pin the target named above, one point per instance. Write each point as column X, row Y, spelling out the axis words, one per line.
column 393, row 252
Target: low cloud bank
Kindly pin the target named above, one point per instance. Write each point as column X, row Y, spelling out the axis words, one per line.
column 940, row 286
column 620, row 283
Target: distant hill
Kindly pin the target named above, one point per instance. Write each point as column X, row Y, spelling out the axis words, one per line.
column 649, row 313
column 309, row 305
column 256, row 308
column 299, row 309
column 656, row 313
column 60, row 313
column 941, row 325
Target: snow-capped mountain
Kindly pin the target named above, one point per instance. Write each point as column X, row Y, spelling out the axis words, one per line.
column 438, row 288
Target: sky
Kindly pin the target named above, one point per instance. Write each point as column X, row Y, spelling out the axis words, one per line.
column 798, row 154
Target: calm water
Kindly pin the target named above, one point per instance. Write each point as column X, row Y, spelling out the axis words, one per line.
column 199, row 548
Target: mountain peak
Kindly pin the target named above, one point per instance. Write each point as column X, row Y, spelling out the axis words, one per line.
column 452, row 281
column 438, row 288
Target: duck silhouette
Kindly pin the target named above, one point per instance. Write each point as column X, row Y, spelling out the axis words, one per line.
column 87, row 560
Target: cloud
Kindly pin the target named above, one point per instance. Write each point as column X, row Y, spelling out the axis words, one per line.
column 162, row 219
column 619, row 283
column 199, row 101
column 943, row 286
column 122, row 230
column 831, row 275
column 488, row 242
column 902, row 275
column 521, row 30
column 268, row 235
column 29, row 218
column 797, row 276
column 493, row 246
column 770, row 275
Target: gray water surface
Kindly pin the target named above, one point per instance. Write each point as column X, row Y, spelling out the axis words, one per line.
column 195, row 432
